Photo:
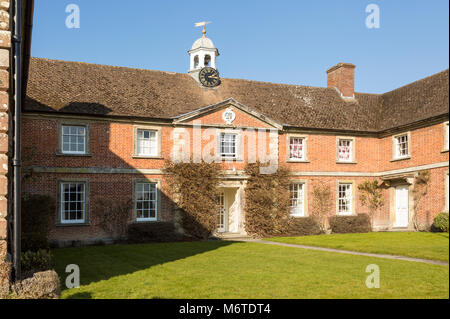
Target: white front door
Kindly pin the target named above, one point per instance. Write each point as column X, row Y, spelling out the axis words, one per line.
column 222, row 213
column 401, row 206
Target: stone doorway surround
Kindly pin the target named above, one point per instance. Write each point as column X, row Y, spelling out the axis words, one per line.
column 234, row 198
column 391, row 183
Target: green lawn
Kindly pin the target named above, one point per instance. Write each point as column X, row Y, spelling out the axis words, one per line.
column 241, row 270
column 411, row 244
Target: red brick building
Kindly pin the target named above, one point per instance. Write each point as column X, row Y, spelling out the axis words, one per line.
column 94, row 132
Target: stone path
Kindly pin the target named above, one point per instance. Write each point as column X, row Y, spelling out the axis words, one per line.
column 427, row 261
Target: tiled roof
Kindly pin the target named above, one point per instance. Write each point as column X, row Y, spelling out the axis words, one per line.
column 72, row 87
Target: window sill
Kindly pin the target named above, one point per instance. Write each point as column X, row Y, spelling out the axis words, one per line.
column 159, row 157
column 401, row 158
column 297, row 161
column 73, row 155
column 351, row 162
column 73, row 224
column 444, row 151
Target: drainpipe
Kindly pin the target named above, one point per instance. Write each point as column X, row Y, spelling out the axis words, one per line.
column 17, row 39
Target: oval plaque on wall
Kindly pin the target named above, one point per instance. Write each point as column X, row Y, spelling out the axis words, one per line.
column 229, row 116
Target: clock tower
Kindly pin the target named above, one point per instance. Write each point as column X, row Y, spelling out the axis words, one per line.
column 203, row 56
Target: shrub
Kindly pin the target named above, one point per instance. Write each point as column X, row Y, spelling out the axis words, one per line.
column 31, row 261
column 350, row 224
column 266, row 202
column 194, row 188
column 43, row 285
column 113, row 216
column 36, row 220
column 420, row 189
column 440, row 222
column 371, row 195
column 152, row 232
column 302, row 227
column 322, row 203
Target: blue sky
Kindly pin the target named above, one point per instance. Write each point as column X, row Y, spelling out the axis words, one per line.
column 280, row 41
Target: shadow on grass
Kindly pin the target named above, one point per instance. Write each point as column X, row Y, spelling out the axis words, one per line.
column 81, row 295
column 99, row 263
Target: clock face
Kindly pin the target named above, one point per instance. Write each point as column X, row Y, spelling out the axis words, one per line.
column 209, row 77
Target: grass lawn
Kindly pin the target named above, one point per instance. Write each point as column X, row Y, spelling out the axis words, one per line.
column 410, row 244
column 241, row 270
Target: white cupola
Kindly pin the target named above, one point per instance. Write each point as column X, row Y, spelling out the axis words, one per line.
column 202, row 54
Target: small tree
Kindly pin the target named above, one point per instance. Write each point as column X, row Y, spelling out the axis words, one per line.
column 419, row 191
column 371, row 196
column 321, row 205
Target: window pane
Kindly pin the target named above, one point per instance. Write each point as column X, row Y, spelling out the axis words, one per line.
column 228, row 145
column 73, row 139
column 72, row 202
column 296, row 147
column 297, row 199
column 345, row 150
column 345, row 198
column 402, row 146
column 146, row 201
column 146, row 143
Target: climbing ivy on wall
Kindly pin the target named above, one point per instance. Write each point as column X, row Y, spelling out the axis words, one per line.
column 266, row 202
column 194, row 189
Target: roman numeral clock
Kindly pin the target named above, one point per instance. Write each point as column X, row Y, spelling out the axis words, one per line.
column 209, row 77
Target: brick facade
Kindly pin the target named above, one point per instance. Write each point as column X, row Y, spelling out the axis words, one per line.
column 110, row 168
column 5, row 49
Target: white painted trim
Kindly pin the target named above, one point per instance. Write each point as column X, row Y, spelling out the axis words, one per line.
column 95, row 170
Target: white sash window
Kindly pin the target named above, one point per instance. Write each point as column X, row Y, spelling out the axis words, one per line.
column 345, row 150
column 297, row 199
column 345, row 199
column 297, row 148
column 147, row 143
column 146, row 201
column 73, row 139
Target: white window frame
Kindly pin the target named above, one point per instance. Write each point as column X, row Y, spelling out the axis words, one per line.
column 139, row 140
column 236, row 145
column 303, row 145
column 446, row 183
column 351, row 151
column 62, row 203
column 446, row 137
column 396, row 143
column 84, row 135
column 348, row 199
column 155, row 200
column 297, row 210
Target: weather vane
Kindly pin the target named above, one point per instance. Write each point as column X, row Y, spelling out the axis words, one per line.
column 202, row 24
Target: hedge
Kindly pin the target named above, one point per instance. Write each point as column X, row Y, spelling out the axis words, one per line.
column 152, row 232
column 303, row 226
column 350, row 224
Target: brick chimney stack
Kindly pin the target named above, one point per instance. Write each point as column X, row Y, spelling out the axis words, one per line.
column 342, row 77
